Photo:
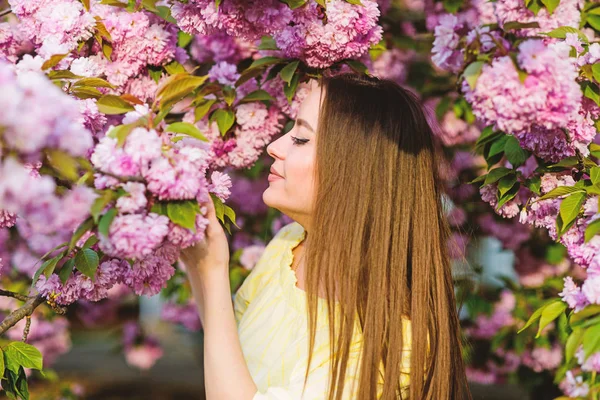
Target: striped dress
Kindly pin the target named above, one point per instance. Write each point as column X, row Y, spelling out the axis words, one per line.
column 272, row 321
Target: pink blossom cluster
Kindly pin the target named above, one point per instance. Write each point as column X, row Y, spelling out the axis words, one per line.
column 349, row 32
column 13, row 42
column 567, row 13
column 56, row 27
column 141, row 350
column 53, row 119
column 220, row 47
column 537, row 110
column 302, row 33
column 486, row 327
column 79, row 286
column 139, row 39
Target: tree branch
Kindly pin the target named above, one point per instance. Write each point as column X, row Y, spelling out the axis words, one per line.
column 17, row 296
column 5, row 12
column 21, row 312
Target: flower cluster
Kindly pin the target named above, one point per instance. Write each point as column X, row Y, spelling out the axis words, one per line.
column 303, row 33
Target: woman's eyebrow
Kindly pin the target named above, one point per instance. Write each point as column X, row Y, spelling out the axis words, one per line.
column 303, row 122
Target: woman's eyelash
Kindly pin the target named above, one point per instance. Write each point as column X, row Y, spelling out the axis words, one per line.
column 298, row 141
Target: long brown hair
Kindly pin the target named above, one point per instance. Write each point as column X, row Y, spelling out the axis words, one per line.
column 378, row 242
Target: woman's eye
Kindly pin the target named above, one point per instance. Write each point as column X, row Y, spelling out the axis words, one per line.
column 298, row 141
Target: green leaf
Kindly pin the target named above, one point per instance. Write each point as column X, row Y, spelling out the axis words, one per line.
column 560, row 191
column 514, row 153
column 494, row 175
column 592, row 230
column 357, row 66
column 534, row 184
column 230, row 213
column 113, row 105
column 62, row 74
column 573, row 343
column 174, row 67
column 355, row 2
column 183, row 39
column 290, row 90
column 591, row 91
column 100, row 203
column 257, row 95
column 594, row 21
column 202, row 109
column 293, row 4
column 177, row 86
column 550, row 313
column 507, row 26
column 248, row 74
column 1, row 363
column 53, row 61
column 508, row 196
column 229, row 95
column 187, row 129
column 550, row 5
column 576, row 319
column 596, row 71
column 452, row 6
column 591, row 340
column 86, row 262
column 224, row 118
column 267, row 43
column 472, row 72
column 506, row 183
column 93, row 82
column 121, row 132
column 20, row 354
column 64, row 163
column 287, row 73
column 102, row 31
column 86, row 92
column 159, row 208
column 561, row 32
column 149, row 5
column 165, row 13
column 20, row 384
column 534, row 317
column 106, row 220
column 92, row 240
column 497, row 146
column 80, row 231
column 264, row 61
column 219, row 208
column 569, row 209
column 66, row 270
column 595, row 175
column 183, row 213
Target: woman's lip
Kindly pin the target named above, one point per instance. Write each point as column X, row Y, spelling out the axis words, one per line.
column 273, row 177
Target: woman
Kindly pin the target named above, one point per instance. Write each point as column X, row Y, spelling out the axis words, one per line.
column 361, row 271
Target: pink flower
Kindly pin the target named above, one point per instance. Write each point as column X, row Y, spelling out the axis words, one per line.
column 135, row 235
column 251, row 255
column 220, row 185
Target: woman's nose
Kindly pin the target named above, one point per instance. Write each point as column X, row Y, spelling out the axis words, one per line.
column 273, row 149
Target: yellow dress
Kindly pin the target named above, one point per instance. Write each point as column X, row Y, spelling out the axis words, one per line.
column 272, row 320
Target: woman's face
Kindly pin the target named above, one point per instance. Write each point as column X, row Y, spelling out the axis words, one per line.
column 294, row 155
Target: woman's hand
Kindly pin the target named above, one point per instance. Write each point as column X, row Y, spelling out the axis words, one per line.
column 212, row 253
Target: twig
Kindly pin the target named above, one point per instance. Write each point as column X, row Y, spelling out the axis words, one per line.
column 5, row 12
column 120, row 178
column 27, row 327
column 17, row 296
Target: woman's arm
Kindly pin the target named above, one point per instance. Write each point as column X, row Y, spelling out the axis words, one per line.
column 226, row 374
